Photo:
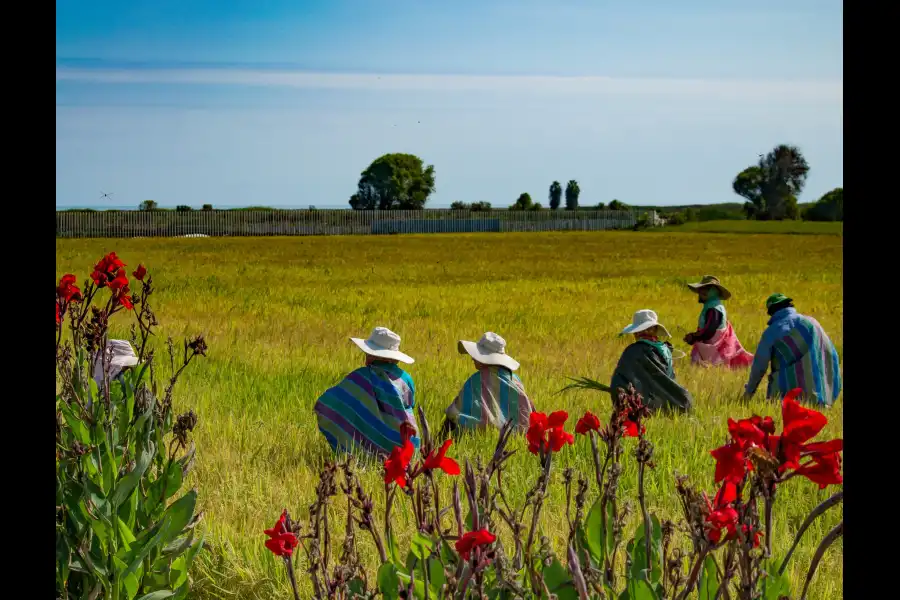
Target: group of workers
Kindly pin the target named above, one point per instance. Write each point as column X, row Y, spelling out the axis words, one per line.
column 372, row 408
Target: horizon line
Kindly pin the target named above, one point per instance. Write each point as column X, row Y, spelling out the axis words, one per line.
column 817, row 89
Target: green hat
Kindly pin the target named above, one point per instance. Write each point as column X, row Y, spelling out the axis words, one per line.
column 777, row 299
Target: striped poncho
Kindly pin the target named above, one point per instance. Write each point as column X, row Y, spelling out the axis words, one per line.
column 801, row 356
column 490, row 397
column 367, row 408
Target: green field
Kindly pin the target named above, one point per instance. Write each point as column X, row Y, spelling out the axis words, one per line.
column 277, row 313
column 742, row 226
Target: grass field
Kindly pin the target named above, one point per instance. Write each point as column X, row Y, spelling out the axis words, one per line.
column 277, row 313
column 785, row 227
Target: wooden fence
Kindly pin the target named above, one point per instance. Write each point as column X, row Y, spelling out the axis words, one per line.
column 128, row 224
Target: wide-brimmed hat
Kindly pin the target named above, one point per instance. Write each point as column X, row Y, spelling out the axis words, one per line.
column 383, row 343
column 711, row 281
column 643, row 320
column 489, row 350
column 777, row 299
column 119, row 355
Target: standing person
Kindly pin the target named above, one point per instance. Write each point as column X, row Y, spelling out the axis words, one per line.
column 372, row 407
column 800, row 353
column 120, row 357
column 493, row 394
column 714, row 342
column 647, row 365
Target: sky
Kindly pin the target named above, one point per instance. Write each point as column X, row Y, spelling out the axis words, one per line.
column 284, row 103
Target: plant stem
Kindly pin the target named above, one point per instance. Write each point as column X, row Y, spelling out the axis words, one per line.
column 827, row 541
column 290, row 569
column 648, row 533
column 838, row 497
column 769, row 501
column 695, row 573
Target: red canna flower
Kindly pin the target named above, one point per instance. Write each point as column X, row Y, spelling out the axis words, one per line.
column 120, row 281
column 731, row 464
column 747, row 432
column 547, row 432
column 125, row 300
column 721, row 514
column 106, row 270
column 139, row 273
column 440, row 460
column 756, row 535
column 67, row 291
column 824, row 470
column 800, row 424
column 632, row 429
column 396, row 465
column 58, row 321
column 589, row 422
column 281, row 541
column 818, row 448
column 472, row 540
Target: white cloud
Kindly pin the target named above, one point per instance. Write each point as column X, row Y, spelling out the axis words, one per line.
column 815, row 91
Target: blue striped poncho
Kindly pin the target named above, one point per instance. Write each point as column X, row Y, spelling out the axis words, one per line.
column 801, row 356
column 491, row 396
column 367, row 408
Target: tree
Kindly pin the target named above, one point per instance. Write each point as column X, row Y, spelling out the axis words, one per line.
column 207, row 207
column 617, row 205
column 536, row 206
column 394, row 181
column 459, row 206
column 572, row 193
column 148, row 205
column 481, row 206
column 183, row 208
column 522, row 203
column 771, row 187
column 830, row 207
column 601, row 206
column 555, row 195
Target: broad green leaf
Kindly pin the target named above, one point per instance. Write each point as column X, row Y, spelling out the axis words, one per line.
column 357, row 588
column 63, row 558
column 131, row 584
column 555, row 575
column 599, row 542
column 709, row 580
column 394, row 550
column 127, row 484
column 143, row 548
column 125, row 534
column 436, row 577
column 421, row 546
column 180, row 514
column 773, row 585
column 192, row 553
column 637, row 550
column 389, row 581
column 640, row 589
column 76, row 425
column 448, row 554
column 178, row 572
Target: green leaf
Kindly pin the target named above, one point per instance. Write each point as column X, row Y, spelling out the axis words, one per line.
column 76, row 425
column 637, row 550
column 774, row 586
column 141, row 550
column 127, row 484
column 709, row 580
column 180, row 514
column 640, row 589
column 178, row 572
column 436, row 578
column 599, row 542
column 357, row 588
column 157, row 595
column 63, row 558
column 557, row 580
column 125, row 534
column 394, row 549
column 389, row 581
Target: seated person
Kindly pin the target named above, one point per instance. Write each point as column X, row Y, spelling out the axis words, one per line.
column 372, row 407
column 493, row 394
column 647, row 365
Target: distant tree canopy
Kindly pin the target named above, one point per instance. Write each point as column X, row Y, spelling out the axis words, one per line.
column 617, row 205
column 555, row 195
column 183, row 208
column 572, row 193
column 830, row 207
column 522, row 203
column 474, row 207
column 601, row 206
column 207, row 207
column 394, row 181
column 771, row 186
column 148, row 205
column 459, row 205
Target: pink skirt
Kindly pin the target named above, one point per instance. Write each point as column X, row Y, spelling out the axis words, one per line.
column 723, row 348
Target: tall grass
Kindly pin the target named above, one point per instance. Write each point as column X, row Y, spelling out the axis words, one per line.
column 744, row 226
column 277, row 313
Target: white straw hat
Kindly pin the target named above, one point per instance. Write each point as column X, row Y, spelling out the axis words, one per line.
column 383, row 343
column 120, row 354
column 643, row 320
column 490, row 350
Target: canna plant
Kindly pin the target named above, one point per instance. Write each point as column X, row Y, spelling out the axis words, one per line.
column 457, row 553
column 124, row 529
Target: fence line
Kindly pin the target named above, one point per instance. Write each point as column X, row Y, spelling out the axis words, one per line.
column 216, row 223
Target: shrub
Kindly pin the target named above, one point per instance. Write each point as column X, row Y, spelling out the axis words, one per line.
column 465, row 559
column 481, row 206
column 677, row 218
column 183, row 208
column 208, row 207
column 459, row 206
column 122, row 528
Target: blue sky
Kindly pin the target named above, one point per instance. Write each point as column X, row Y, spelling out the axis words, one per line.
column 284, row 103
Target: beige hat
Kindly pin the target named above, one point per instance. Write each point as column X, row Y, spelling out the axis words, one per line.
column 383, row 343
column 644, row 320
column 711, row 281
column 489, row 350
column 120, row 354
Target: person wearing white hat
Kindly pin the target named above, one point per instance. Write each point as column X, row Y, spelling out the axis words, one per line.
column 493, row 394
column 647, row 365
column 372, row 407
column 119, row 358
